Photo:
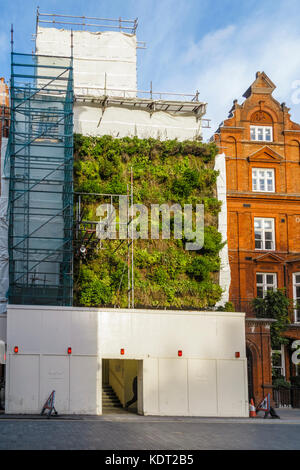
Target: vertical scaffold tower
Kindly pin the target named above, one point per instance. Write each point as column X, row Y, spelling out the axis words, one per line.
column 40, row 165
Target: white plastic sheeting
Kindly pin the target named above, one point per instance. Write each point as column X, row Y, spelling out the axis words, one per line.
column 123, row 122
column 225, row 277
column 3, row 234
column 3, row 254
column 105, row 64
column 101, row 59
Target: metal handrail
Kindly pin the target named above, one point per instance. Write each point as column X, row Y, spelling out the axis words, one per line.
column 113, row 23
column 193, row 97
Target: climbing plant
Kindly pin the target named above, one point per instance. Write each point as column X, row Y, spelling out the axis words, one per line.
column 274, row 305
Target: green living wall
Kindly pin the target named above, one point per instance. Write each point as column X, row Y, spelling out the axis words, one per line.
column 166, row 275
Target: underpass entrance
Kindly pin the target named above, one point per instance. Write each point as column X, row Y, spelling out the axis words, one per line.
column 121, row 386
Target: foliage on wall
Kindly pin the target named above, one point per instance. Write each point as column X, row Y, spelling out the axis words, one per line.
column 166, row 275
column 274, row 305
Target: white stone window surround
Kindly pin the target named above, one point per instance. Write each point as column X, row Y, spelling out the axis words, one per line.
column 263, row 180
column 280, row 365
column 296, row 296
column 265, row 282
column 264, row 230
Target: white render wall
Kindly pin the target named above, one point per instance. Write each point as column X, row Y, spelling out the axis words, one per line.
column 225, row 274
column 206, row 381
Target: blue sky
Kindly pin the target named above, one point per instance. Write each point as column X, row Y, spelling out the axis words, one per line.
column 215, row 46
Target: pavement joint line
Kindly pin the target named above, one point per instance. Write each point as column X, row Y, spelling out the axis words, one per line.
column 125, row 421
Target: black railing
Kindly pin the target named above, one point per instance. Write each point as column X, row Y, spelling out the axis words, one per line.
column 287, row 397
column 244, row 305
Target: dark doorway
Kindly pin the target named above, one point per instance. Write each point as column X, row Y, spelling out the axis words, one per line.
column 120, row 379
column 250, row 373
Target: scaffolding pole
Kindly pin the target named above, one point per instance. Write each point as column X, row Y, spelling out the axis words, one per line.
column 40, row 166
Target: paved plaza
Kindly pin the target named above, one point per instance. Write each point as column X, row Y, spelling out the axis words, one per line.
column 128, row 431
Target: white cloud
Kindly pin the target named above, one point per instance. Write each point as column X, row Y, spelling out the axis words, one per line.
column 3, row 43
column 223, row 63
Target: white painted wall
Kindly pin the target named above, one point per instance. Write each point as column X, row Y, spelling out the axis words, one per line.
column 121, row 375
column 225, row 274
column 206, row 381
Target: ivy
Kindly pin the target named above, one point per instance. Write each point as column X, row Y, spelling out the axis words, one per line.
column 274, row 305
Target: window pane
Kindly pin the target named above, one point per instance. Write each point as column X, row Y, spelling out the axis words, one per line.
column 259, row 278
column 257, row 223
column 267, row 223
column 297, row 277
column 268, row 236
column 276, row 360
column 270, row 279
column 260, row 292
column 268, row 245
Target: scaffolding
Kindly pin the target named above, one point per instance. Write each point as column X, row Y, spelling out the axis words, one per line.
column 91, row 235
column 40, row 166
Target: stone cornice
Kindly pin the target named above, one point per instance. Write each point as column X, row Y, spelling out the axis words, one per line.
column 259, row 321
column 263, row 196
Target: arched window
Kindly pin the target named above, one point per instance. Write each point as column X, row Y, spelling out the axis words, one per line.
column 261, row 126
column 295, row 151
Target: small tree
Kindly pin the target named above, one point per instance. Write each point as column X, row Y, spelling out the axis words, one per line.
column 274, row 305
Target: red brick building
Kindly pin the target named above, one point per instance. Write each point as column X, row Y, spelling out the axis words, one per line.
column 262, row 149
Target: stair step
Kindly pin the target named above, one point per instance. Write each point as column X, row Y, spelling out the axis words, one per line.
column 107, row 407
column 107, row 402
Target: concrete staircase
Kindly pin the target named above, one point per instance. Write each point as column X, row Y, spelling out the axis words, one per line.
column 110, row 401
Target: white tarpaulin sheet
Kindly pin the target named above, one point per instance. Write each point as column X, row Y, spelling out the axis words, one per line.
column 123, row 122
column 101, row 59
column 3, row 254
column 3, row 233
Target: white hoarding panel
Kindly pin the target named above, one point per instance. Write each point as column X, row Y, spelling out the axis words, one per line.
column 232, row 394
column 172, row 387
column 54, row 373
column 23, row 387
column 202, row 380
column 83, row 385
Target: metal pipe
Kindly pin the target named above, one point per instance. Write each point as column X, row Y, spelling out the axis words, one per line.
column 89, row 18
column 132, row 246
column 86, row 24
